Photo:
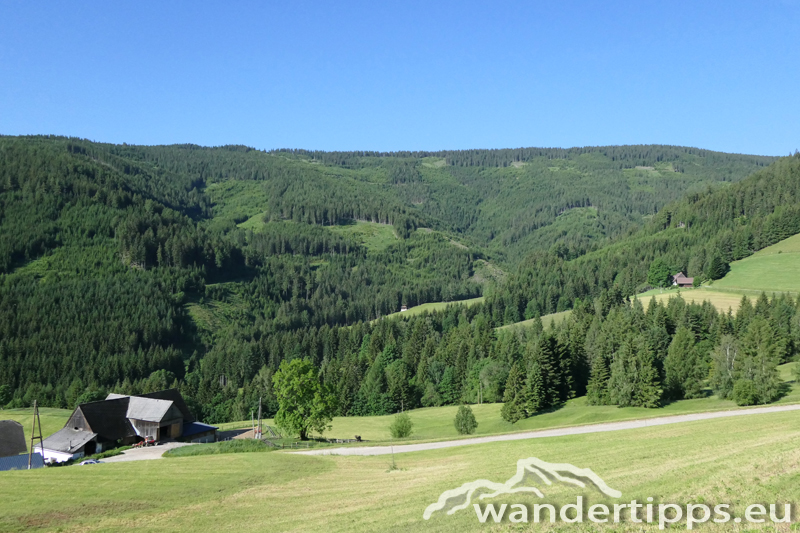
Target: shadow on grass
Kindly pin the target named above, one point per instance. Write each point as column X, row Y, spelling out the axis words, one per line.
column 705, row 393
column 784, row 389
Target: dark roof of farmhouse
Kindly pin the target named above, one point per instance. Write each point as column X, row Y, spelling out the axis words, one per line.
column 157, row 406
column 174, row 396
column 68, row 440
column 12, row 438
column 108, row 418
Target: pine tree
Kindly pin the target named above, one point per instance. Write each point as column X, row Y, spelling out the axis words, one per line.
column 512, row 411
column 757, row 381
column 597, row 388
column 717, row 268
column 684, row 367
column 725, row 358
column 535, row 397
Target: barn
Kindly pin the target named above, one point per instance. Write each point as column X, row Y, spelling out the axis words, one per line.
column 124, row 420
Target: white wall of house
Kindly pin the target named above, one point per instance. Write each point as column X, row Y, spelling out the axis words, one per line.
column 58, row 456
column 144, row 428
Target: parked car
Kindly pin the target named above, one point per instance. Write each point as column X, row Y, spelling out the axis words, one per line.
column 90, row 462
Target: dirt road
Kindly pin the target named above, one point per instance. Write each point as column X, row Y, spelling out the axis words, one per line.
column 558, row 432
column 144, row 454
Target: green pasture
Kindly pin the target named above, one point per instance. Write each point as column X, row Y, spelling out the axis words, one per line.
column 552, row 319
column 733, row 461
column 436, row 423
column 52, row 419
column 773, row 269
column 719, row 299
column 375, row 237
column 433, row 306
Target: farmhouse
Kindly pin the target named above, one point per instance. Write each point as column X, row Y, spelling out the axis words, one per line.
column 682, row 281
column 123, row 420
column 403, row 308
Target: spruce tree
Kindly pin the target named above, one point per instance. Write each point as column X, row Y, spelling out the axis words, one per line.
column 512, row 411
column 684, row 367
column 717, row 268
column 757, row 381
column 597, row 388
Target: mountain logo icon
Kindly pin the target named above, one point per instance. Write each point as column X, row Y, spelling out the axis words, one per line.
column 530, row 472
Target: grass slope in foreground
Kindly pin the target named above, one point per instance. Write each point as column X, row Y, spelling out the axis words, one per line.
column 734, row 461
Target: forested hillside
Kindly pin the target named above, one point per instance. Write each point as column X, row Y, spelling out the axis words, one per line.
column 131, row 268
column 694, row 235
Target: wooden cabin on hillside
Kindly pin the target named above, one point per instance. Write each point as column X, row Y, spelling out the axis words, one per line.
column 121, row 420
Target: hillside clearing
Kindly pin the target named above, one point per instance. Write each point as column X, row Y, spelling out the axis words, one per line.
column 721, row 300
column 372, row 235
column 433, row 306
column 552, row 319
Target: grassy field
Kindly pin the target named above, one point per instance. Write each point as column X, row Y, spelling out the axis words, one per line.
column 547, row 320
column 375, row 237
column 52, row 419
column 433, row 306
column 721, row 300
column 775, row 268
column 719, row 461
column 436, row 423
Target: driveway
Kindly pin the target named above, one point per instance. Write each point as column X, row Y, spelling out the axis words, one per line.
column 144, row 454
column 558, row 432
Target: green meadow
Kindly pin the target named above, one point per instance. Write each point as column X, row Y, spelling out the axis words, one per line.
column 373, row 236
column 433, row 306
column 733, row 461
column 436, row 423
column 773, row 269
column 52, row 419
column 552, row 319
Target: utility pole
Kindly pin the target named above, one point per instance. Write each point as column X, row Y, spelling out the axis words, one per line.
column 260, row 429
column 480, row 392
column 34, row 435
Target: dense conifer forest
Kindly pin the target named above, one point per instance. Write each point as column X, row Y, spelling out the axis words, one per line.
column 132, row 268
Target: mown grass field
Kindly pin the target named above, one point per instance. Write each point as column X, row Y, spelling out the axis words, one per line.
column 433, row 306
column 721, row 300
column 52, row 419
column 547, row 320
column 739, row 462
column 773, row 269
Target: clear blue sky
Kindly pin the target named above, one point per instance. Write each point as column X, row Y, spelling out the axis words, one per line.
column 405, row 75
